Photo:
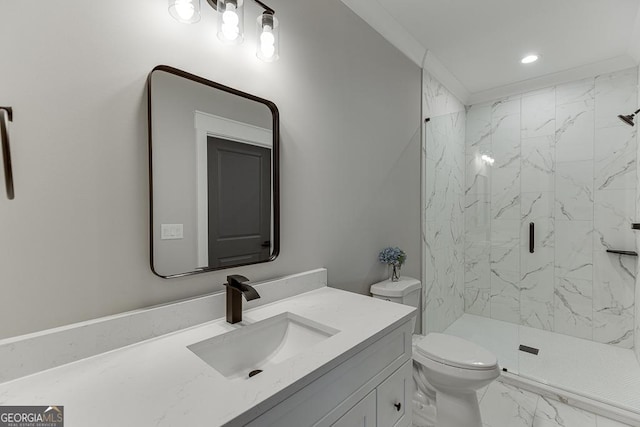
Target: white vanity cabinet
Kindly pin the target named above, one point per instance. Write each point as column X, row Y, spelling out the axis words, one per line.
column 371, row 388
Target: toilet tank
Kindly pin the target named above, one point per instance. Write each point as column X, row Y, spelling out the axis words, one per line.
column 405, row 291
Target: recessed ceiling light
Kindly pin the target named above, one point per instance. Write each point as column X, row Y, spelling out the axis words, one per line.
column 529, row 59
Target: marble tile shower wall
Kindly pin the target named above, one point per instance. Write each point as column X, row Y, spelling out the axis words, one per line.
column 636, row 335
column 444, row 220
column 562, row 160
column 443, row 151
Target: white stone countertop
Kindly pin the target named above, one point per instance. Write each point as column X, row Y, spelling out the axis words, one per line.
column 160, row 382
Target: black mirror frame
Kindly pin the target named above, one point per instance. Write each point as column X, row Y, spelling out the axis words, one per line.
column 275, row 168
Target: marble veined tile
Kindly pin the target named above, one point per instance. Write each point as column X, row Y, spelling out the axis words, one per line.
column 536, row 311
column 537, row 205
column 615, row 158
column 613, row 298
column 435, row 143
column 537, row 267
column 613, row 329
column 504, row 107
column 437, row 100
column 573, row 307
column 615, row 93
column 636, row 332
column 430, row 172
column 434, row 202
column 538, row 158
column 551, row 413
column 505, row 256
column 574, row 135
column 505, row 233
column 477, row 266
column 537, row 287
column 574, row 249
column 477, row 301
column 505, row 296
column 613, row 214
column 477, row 212
column 614, row 284
column 477, row 175
column 506, row 405
column 577, row 91
column 505, row 193
column 505, row 142
column 538, row 114
column 478, row 126
column 438, row 234
column 574, row 191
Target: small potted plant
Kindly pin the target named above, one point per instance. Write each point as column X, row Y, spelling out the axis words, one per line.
column 394, row 258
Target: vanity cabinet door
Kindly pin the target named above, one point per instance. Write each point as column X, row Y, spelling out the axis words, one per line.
column 394, row 398
column 361, row 415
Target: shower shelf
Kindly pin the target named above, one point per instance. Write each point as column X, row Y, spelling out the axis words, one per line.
column 630, row 253
column 635, row 226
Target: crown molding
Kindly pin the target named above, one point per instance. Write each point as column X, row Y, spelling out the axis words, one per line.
column 590, row 70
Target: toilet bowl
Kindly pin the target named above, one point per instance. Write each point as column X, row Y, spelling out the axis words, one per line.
column 455, row 369
column 447, row 370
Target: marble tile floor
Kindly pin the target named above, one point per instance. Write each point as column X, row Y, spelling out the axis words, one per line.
column 597, row 371
column 504, row 405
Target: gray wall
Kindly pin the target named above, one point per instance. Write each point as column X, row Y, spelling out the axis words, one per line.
column 74, row 243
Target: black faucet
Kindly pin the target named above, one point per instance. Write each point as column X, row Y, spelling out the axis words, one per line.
column 236, row 287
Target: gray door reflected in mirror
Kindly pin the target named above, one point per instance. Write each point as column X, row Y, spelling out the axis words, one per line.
column 213, row 154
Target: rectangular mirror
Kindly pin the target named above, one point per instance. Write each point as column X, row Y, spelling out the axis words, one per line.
column 213, row 164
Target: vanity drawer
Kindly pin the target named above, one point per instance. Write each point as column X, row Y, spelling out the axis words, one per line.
column 394, row 396
column 361, row 415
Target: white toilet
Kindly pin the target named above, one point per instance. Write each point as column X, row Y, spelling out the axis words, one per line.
column 445, row 367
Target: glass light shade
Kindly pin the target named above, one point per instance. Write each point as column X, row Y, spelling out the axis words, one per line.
column 231, row 21
column 268, row 47
column 185, row 11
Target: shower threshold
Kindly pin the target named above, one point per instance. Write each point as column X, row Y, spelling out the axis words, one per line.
column 600, row 378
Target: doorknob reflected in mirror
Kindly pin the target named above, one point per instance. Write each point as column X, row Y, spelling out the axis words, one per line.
column 6, row 115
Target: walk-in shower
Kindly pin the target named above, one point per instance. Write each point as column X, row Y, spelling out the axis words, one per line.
column 549, row 255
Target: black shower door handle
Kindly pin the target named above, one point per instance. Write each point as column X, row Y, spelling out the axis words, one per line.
column 532, row 228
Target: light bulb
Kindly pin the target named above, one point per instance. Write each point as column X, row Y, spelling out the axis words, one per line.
column 268, row 33
column 230, row 32
column 230, row 16
column 529, row 59
column 185, row 9
column 267, row 50
column 267, row 37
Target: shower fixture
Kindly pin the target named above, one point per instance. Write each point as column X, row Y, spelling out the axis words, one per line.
column 628, row 119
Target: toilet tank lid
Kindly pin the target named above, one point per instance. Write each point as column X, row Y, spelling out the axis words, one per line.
column 454, row 351
column 401, row 288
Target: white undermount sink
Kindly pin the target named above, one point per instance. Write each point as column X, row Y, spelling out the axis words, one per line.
column 256, row 347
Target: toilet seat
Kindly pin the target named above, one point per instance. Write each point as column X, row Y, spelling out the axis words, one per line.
column 453, row 351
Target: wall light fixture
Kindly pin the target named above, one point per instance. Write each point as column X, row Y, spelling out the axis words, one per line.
column 231, row 23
